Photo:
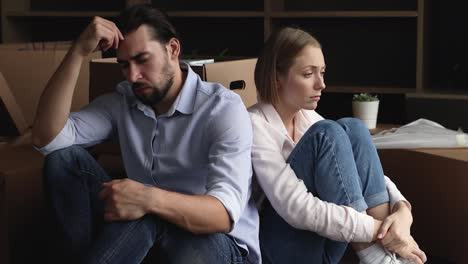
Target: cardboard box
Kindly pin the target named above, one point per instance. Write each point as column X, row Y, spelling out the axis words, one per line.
column 435, row 181
column 22, row 203
column 104, row 75
column 27, row 68
column 231, row 74
column 237, row 75
column 13, row 122
column 22, row 210
column 4, row 247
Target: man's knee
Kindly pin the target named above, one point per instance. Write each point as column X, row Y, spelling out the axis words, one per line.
column 200, row 249
column 65, row 156
column 60, row 160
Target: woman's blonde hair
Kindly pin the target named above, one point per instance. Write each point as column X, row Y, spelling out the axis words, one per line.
column 277, row 57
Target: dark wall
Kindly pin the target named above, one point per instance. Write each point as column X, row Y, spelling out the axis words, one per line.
column 396, row 109
column 450, row 113
column 392, row 107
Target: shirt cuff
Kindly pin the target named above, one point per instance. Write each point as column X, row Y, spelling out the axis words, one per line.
column 65, row 138
column 364, row 229
column 395, row 198
column 228, row 205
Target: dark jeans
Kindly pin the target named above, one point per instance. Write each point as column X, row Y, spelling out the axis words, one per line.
column 73, row 179
column 338, row 163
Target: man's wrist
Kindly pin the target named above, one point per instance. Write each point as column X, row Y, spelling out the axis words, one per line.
column 76, row 50
column 152, row 199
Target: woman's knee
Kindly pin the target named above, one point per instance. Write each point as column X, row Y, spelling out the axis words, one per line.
column 352, row 123
column 353, row 126
column 357, row 132
column 328, row 127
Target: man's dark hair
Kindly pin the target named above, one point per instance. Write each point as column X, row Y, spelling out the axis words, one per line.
column 131, row 18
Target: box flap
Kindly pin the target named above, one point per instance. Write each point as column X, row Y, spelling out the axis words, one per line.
column 13, row 122
column 105, row 74
column 237, row 75
column 27, row 72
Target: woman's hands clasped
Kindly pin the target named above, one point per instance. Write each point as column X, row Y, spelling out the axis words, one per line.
column 394, row 235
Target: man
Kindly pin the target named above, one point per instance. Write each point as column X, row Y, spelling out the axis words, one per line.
column 185, row 145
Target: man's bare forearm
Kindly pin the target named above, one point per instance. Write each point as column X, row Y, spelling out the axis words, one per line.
column 199, row 214
column 129, row 200
column 55, row 102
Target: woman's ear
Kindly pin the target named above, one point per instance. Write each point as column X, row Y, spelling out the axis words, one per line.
column 278, row 81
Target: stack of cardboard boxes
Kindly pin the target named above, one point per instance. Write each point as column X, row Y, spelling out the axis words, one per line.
column 435, row 182
column 24, row 71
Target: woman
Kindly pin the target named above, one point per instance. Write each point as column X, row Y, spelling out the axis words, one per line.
column 323, row 179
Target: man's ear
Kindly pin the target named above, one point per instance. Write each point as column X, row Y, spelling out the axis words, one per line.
column 173, row 47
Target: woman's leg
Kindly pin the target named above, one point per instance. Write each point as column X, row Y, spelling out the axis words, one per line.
column 369, row 169
column 368, row 166
column 373, row 185
column 323, row 159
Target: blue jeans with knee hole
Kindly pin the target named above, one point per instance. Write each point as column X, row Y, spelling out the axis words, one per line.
column 338, row 163
column 73, row 180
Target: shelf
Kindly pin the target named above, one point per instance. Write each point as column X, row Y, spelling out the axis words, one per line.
column 368, row 89
column 220, row 35
column 217, row 14
column 454, row 95
column 358, row 14
column 58, row 14
column 76, row 14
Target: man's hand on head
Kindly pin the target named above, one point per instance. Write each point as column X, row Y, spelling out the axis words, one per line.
column 100, row 34
column 125, row 200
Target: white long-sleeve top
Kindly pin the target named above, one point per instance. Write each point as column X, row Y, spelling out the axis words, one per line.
column 288, row 194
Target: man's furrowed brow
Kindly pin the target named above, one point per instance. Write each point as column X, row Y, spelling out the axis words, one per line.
column 136, row 57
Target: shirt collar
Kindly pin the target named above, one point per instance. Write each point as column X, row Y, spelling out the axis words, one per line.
column 185, row 101
column 273, row 117
column 301, row 123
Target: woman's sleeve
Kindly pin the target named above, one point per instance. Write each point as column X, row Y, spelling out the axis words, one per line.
column 394, row 194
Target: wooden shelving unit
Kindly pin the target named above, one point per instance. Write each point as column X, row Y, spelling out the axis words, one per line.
column 368, row 89
column 331, row 14
column 383, row 47
column 18, row 15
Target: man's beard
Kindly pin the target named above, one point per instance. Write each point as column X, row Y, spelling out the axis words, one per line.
column 157, row 92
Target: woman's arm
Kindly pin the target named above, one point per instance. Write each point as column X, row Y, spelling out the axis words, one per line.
column 294, row 203
column 395, row 231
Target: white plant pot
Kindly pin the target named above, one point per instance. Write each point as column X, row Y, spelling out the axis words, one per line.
column 367, row 112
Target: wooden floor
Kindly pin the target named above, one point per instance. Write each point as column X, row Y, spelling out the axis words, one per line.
column 351, row 258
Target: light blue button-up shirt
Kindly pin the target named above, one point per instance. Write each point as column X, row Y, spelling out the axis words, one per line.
column 202, row 145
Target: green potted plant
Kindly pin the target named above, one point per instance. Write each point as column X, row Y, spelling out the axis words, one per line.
column 366, row 108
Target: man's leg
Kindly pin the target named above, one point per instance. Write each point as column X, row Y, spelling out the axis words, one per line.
column 72, row 180
column 126, row 242
column 178, row 246
column 323, row 159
